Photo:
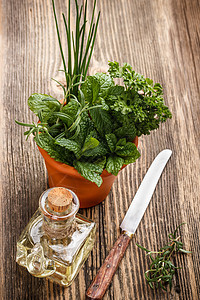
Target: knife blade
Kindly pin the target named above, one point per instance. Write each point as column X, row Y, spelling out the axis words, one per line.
column 129, row 225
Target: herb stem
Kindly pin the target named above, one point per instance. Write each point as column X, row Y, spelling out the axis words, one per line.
column 162, row 270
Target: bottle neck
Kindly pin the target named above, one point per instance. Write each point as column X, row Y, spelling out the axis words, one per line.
column 59, row 230
column 58, row 225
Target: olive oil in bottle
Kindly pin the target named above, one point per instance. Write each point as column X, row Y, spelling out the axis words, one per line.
column 57, row 241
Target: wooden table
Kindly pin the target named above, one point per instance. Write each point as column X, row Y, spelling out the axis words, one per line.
column 160, row 39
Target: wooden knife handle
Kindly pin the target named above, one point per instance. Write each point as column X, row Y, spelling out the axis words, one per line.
column 104, row 276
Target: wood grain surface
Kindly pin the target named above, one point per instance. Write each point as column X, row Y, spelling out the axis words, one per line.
column 160, row 38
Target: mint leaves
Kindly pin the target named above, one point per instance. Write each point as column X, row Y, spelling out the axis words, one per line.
column 101, row 120
column 95, row 87
column 111, row 141
column 114, row 164
column 91, row 170
column 122, row 153
column 43, row 103
column 95, row 129
column 70, row 145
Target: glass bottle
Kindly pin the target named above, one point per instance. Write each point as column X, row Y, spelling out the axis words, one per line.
column 57, row 241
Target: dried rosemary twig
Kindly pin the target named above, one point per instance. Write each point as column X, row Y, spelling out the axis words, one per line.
column 162, row 269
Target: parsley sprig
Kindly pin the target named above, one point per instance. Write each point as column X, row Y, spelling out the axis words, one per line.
column 162, row 270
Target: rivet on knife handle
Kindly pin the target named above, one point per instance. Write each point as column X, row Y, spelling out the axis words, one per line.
column 104, row 276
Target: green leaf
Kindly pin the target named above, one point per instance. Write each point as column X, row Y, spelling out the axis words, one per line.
column 116, row 90
column 70, row 145
column 96, row 165
column 96, row 87
column 111, row 141
column 43, row 103
column 120, row 105
column 129, row 149
column 24, row 124
column 102, row 121
column 100, row 162
column 103, row 103
column 55, row 151
column 131, row 159
column 121, row 142
column 114, row 164
column 105, row 82
column 89, row 144
column 175, row 232
column 141, row 247
column 90, row 171
column 86, row 126
column 71, row 108
column 149, row 81
column 185, row 251
column 100, row 150
column 90, row 89
column 128, row 131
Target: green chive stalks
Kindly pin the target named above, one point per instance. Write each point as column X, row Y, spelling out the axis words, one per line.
column 79, row 46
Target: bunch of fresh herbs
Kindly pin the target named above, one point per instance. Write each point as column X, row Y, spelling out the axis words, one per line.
column 94, row 126
column 162, row 269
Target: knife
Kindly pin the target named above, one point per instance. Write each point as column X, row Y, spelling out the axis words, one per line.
column 129, row 225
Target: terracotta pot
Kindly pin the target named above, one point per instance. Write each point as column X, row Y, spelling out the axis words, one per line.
column 89, row 194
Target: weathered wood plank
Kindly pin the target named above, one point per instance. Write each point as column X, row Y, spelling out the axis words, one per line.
column 161, row 40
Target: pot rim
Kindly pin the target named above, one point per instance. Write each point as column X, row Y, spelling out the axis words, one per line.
column 63, row 168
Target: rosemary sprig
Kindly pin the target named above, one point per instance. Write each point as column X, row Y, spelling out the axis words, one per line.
column 35, row 129
column 162, row 270
column 79, row 47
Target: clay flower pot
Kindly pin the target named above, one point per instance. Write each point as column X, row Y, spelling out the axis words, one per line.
column 89, row 194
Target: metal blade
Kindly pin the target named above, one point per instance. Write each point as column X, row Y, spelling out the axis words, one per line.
column 145, row 192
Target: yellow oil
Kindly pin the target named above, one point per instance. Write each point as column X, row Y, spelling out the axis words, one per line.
column 57, row 259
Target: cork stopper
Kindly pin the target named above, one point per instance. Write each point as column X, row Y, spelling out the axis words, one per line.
column 59, row 199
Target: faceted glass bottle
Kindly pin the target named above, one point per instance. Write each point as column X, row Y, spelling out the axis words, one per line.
column 57, row 241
